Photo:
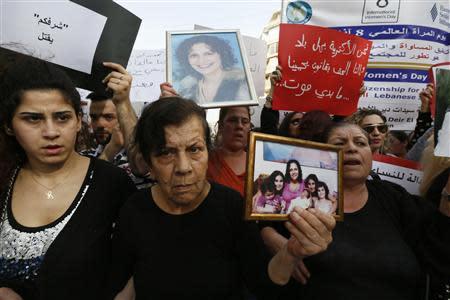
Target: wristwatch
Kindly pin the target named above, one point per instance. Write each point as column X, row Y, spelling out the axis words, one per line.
column 445, row 194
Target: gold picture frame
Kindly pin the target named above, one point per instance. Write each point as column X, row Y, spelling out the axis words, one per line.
column 310, row 174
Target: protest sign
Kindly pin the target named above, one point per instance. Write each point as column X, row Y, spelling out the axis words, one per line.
column 322, row 69
column 406, row 173
column 148, row 68
column 76, row 35
column 408, row 37
column 441, row 109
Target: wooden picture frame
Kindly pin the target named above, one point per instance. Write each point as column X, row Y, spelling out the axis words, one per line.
column 273, row 159
column 210, row 67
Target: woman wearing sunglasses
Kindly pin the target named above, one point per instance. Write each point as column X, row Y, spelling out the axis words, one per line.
column 374, row 123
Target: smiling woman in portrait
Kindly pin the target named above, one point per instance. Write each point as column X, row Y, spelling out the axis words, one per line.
column 208, row 71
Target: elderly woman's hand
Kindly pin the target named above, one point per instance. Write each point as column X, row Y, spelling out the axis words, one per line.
column 275, row 76
column 167, row 90
column 311, row 232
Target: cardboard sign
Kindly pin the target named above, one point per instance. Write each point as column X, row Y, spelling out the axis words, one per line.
column 148, row 68
column 322, row 69
column 77, row 35
column 406, row 173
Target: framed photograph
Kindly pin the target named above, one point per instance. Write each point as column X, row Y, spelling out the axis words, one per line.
column 283, row 173
column 209, row 67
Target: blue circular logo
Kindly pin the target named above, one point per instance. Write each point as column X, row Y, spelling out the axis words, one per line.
column 298, row 12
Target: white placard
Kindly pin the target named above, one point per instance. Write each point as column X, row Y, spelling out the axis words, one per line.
column 400, row 171
column 61, row 32
column 148, row 68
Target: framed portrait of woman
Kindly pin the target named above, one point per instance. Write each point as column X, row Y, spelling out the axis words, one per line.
column 210, row 67
column 283, row 173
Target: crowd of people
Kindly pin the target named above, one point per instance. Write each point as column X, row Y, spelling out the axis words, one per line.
column 151, row 207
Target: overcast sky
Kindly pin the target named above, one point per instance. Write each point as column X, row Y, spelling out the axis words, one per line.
column 158, row 16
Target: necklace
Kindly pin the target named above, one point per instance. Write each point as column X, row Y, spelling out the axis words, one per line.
column 50, row 195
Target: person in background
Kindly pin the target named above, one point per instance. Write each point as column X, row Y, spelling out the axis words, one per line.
column 396, row 143
column 269, row 119
column 57, row 208
column 228, row 159
column 424, row 125
column 381, row 220
column 374, row 123
column 434, row 186
column 424, row 119
column 113, row 120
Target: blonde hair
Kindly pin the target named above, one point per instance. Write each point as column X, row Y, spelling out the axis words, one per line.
column 432, row 166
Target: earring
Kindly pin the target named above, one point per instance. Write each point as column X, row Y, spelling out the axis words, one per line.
column 9, row 131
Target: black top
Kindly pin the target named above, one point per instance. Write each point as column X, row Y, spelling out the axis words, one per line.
column 205, row 254
column 381, row 251
column 76, row 263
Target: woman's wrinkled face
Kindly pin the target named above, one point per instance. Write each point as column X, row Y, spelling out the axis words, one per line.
column 203, row 60
column 279, row 183
column 357, row 153
column 293, row 171
column 311, row 185
column 376, row 128
column 235, row 128
column 180, row 167
column 321, row 192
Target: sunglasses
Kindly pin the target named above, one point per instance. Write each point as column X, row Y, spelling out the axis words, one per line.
column 383, row 128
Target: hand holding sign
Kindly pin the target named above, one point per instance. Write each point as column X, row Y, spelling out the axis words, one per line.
column 119, row 81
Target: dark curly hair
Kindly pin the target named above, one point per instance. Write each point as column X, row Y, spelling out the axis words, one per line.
column 215, row 44
column 287, row 176
column 283, row 130
column 150, row 135
column 358, row 116
column 272, row 178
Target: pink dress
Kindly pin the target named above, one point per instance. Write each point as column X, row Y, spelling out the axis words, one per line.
column 288, row 195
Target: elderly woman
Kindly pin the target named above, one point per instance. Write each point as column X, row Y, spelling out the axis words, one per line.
column 388, row 241
column 195, row 244
column 208, row 72
column 374, row 123
column 228, row 159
